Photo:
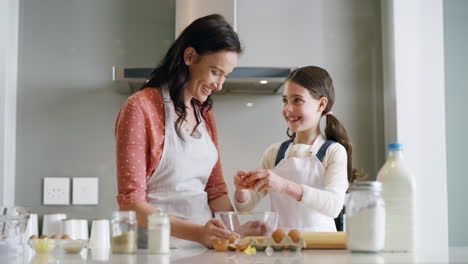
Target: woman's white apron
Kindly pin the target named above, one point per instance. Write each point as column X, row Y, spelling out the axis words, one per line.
column 177, row 186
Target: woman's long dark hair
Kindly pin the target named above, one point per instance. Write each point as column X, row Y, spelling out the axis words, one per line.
column 319, row 83
column 206, row 35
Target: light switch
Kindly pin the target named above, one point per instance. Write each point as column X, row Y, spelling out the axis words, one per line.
column 56, row 191
column 85, row 190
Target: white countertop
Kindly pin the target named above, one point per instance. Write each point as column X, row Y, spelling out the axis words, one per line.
column 201, row 255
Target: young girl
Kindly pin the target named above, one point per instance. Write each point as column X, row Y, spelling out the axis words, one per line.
column 306, row 176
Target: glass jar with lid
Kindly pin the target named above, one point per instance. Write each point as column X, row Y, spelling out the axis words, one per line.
column 124, row 232
column 365, row 217
column 159, row 233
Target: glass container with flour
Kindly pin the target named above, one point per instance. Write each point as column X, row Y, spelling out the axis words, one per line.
column 365, row 217
column 124, row 232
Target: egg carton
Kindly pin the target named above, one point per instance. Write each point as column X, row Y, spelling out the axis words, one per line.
column 285, row 243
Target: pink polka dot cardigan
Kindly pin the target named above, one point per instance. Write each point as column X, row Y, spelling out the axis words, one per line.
column 139, row 135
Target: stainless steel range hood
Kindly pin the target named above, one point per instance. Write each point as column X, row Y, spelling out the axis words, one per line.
column 243, row 80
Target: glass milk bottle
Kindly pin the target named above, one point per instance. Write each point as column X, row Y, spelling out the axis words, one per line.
column 124, row 232
column 365, row 217
column 398, row 193
column 159, row 233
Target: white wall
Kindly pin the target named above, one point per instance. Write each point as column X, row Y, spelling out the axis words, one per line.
column 414, row 85
column 67, row 103
column 456, row 92
column 8, row 86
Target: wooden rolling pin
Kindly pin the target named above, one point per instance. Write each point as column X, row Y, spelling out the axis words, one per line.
column 325, row 240
column 321, row 240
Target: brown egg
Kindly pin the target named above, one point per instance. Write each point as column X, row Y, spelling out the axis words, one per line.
column 220, row 244
column 295, row 235
column 65, row 236
column 54, row 237
column 278, row 235
column 33, row 237
column 43, row 236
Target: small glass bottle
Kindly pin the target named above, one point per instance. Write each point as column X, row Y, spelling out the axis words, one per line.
column 124, row 232
column 365, row 217
column 159, row 233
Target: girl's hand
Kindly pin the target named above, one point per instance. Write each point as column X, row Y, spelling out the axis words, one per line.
column 239, row 181
column 214, row 229
column 266, row 180
column 242, row 187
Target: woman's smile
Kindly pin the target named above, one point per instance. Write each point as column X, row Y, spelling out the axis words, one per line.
column 206, row 91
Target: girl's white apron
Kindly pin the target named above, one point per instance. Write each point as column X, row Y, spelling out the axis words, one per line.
column 301, row 166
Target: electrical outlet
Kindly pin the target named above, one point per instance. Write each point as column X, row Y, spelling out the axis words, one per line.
column 85, row 190
column 56, row 191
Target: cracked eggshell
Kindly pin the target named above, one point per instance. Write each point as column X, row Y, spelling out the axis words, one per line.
column 220, row 244
column 232, row 239
column 232, row 247
column 242, row 243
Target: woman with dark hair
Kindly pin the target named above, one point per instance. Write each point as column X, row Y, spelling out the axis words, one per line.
column 306, row 176
column 167, row 153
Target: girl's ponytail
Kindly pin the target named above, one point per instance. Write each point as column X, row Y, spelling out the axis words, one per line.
column 335, row 131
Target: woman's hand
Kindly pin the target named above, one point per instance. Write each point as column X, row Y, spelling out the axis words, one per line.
column 213, row 229
column 266, row 180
